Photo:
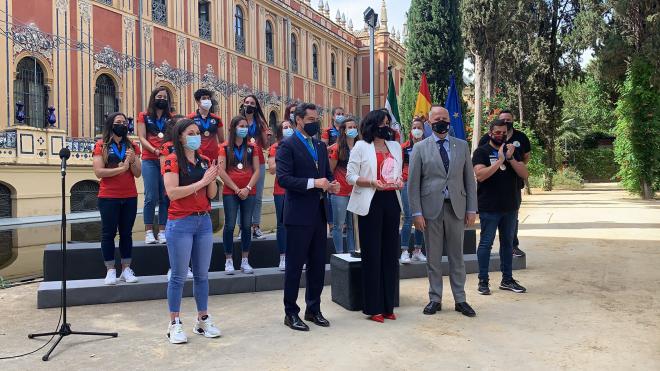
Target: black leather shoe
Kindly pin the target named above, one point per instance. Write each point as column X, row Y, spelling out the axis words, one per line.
column 465, row 309
column 432, row 307
column 295, row 323
column 317, row 319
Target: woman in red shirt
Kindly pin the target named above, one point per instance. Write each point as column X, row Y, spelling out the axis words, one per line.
column 258, row 133
column 239, row 170
column 416, row 135
column 190, row 183
column 116, row 164
column 339, row 153
column 151, row 131
column 284, row 131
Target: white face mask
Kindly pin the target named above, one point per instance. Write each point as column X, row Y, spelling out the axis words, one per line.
column 417, row 133
column 205, row 104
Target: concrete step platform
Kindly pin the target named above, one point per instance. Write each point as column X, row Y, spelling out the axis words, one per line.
column 94, row 291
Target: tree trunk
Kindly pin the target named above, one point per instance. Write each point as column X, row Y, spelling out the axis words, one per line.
column 488, row 77
column 520, row 105
column 647, row 193
column 478, row 72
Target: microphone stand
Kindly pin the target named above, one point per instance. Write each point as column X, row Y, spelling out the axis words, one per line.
column 65, row 329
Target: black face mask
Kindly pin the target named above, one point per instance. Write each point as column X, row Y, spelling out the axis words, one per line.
column 384, row 132
column 161, row 103
column 509, row 125
column 312, row 128
column 120, row 130
column 440, row 127
column 249, row 110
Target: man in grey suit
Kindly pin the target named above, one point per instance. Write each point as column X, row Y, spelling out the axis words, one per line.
column 443, row 200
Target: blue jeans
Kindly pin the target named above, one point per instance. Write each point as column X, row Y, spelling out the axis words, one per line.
column 189, row 238
column 341, row 217
column 256, row 215
column 490, row 223
column 231, row 204
column 406, row 229
column 154, row 193
column 281, row 230
column 117, row 214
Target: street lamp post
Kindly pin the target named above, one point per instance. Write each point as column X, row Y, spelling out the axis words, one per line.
column 371, row 19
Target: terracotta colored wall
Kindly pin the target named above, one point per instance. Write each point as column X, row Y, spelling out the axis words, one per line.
column 164, row 47
column 39, row 12
column 244, row 67
column 319, row 94
column 274, row 81
column 298, row 88
column 365, row 75
column 208, row 55
column 107, row 29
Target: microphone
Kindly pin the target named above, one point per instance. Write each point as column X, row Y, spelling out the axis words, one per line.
column 65, row 153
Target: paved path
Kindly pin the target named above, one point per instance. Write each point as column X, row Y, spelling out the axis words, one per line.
column 593, row 282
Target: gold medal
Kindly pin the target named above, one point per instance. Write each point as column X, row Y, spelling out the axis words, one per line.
column 207, row 133
column 239, row 166
column 252, row 140
column 161, row 135
column 502, row 167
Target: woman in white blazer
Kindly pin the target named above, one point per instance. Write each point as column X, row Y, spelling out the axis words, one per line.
column 374, row 170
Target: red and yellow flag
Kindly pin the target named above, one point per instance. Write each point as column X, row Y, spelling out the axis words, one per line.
column 423, row 105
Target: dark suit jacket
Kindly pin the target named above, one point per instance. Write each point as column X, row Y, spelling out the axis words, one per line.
column 295, row 166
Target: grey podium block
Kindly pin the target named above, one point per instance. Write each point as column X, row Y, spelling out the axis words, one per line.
column 268, row 279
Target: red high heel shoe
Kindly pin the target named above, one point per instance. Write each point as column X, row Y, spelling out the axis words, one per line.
column 391, row 316
column 377, row 318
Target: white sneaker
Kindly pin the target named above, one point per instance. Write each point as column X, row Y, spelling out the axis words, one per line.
column 175, row 333
column 419, row 257
column 405, row 257
column 111, row 277
column 282, row 266
column 190, row 274
column 161, row 238
column 245, row 267
column 229, row 267
column 149, row 238
column 128, row 276
column 207, row 328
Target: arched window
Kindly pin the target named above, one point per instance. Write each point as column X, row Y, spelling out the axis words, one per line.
column 159, row 11
column 204, row 16
column 84, row 196
column 5, row 201
column 105, row 101
column 270, row 54
column 315, row 64
column 29, row 89
column 239, row 30
column 333, row 75
column 294, row 53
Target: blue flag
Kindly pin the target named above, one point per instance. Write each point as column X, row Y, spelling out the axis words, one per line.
column 453, row 105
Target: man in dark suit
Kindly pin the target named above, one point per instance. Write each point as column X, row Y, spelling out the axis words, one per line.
column 303, row 170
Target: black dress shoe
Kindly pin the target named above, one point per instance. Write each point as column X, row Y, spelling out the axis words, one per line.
column 465, row 309
column 295, row 323
column 317, row 319
column 432, row 307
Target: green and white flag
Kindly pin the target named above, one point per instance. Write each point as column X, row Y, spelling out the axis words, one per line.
column 392, row 105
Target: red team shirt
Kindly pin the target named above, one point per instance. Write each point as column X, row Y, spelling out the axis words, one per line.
column 345, row 189
column 240, row 177
column 277, row 189
column 118, row 186
column 196, row 202
column 210, row 143
column 152, row 133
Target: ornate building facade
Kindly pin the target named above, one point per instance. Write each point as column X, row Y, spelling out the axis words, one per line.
column 67, row 63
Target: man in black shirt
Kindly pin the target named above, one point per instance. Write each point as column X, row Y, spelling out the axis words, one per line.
column 497, row 166
column 524, row 147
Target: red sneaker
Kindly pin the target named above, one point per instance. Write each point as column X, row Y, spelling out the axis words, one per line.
column 391, row 316
column 377, row 318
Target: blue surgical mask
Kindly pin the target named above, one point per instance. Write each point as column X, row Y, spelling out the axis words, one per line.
column 193, row 142
column 352, row 133
column 242, row 132
column 339, row 119
column 287, row 132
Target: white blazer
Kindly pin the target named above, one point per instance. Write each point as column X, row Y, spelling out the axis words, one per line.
column 362, row 163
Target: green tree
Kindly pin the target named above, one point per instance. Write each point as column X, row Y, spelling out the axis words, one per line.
column 434, row 46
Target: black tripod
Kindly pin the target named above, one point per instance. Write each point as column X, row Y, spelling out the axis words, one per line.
column 65, row 329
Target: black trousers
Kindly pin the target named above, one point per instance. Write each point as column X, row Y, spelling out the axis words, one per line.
column 380, row 244
column 305, row 244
